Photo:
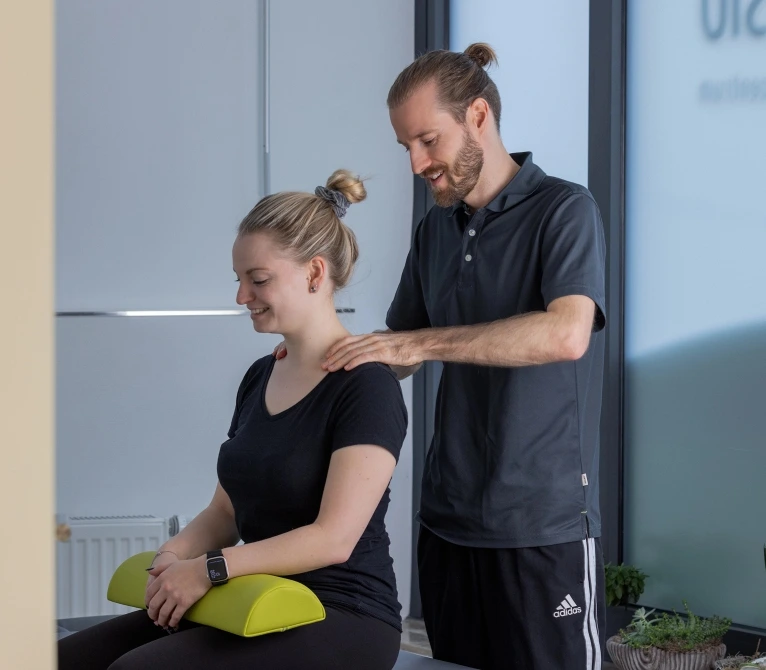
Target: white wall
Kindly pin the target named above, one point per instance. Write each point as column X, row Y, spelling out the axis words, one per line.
column 147, row 204
column 159, row 154
column 158, row 157
column 542, row 49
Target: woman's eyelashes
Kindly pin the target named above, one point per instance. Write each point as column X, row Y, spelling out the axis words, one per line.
column 253, row 281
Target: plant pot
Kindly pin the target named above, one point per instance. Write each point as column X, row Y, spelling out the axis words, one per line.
column 735, row 662
column 629, row 658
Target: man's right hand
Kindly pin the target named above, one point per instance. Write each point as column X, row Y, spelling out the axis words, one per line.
column 401, row 372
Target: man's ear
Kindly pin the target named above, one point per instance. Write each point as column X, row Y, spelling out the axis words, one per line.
column 479, row 115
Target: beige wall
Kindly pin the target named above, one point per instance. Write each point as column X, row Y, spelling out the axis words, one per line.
column 26, row 335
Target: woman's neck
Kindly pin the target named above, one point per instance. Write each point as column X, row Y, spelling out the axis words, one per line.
column 307, row 349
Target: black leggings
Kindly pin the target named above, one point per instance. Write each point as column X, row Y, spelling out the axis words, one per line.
column 345, row 639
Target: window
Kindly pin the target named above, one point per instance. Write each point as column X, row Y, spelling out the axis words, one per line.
column 695, row 313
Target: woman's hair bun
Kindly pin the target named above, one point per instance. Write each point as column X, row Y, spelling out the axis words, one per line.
column 351, row 186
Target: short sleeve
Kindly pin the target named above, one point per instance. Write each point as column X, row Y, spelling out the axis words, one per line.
column 370, row 409
column 408, row 309
column 244, row 387
column 573, row 254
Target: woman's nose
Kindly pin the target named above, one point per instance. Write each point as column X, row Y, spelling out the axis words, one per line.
column 244, row 294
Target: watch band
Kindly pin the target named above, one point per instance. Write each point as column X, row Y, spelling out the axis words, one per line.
column 217, row 568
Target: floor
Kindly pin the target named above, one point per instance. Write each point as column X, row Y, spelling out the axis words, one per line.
column 414, row 639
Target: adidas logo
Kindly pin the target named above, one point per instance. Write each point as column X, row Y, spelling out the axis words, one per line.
column 568, row 607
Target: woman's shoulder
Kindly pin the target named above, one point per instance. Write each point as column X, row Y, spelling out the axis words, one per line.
column 371, row 382
column 368, row 374
column 260, row 366
column 256, row 372
column 369, row 408
column 258, row 369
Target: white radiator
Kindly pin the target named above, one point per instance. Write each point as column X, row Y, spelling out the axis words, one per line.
column 97, row 545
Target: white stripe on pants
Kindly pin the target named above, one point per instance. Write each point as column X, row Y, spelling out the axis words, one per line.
column 590, row 623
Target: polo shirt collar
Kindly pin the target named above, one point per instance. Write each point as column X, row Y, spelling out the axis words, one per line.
column 523, row 184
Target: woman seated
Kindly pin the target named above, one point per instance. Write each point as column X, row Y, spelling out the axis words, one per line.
column 302, row 480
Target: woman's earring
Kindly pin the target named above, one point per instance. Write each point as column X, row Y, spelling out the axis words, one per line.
column 313, row 288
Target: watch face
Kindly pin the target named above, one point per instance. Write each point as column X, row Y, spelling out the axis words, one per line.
column 216, row 569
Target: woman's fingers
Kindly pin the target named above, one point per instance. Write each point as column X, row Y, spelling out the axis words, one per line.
column 166, row 612
column 177, row 615
column 155, row 605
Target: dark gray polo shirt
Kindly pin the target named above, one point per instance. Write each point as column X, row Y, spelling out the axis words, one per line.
column 514, row 458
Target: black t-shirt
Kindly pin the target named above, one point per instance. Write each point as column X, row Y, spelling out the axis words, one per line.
column 274, row 470
column 514, row 457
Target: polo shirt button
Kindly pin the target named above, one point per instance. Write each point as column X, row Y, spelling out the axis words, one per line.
column 468, row 257
column 472, row 232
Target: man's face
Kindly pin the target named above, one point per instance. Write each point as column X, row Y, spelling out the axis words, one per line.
column 442, row 151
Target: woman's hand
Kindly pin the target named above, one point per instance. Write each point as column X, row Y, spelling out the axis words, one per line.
column 177, row 585
column 164, row 559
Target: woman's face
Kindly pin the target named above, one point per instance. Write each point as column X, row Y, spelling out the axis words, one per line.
column 273, row 286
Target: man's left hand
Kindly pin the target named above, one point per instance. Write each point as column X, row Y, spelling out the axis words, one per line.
column 395, row 349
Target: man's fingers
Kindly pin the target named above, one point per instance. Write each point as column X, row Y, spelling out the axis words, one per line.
column 350, row 341
column 359, row 360
column 371, row 352
column 343, row 359
column 340, row 351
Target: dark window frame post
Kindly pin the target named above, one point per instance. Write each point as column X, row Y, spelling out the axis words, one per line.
column 606, row 181
column 431, row 32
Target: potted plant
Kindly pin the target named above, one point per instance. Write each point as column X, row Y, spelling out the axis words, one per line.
column 741, row 662
column 669, row 642
column 624, row 584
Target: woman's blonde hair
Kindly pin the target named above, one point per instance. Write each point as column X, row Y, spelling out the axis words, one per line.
column 307, row 225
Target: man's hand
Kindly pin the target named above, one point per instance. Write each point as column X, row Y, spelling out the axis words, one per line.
column 400, row 349
column 176, row 587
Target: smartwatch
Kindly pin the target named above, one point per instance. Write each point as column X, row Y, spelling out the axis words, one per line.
column 217, row 569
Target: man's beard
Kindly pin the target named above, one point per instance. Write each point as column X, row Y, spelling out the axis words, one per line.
column 462, row 177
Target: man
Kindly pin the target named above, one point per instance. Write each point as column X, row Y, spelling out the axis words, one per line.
column 505, row 284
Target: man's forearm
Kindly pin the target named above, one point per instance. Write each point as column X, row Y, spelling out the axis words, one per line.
column 402, row 371
column 561, row 333
column 530, row 339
